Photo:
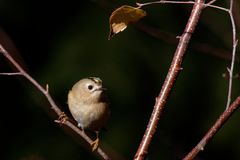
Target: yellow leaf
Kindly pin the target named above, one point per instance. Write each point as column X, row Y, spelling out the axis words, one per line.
column 121, row 17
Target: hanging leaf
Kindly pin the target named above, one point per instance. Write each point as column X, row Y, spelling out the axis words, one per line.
column 121, row 17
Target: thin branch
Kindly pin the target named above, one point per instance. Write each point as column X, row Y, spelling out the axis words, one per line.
column 63, row 119
column 234, row 46
column 216, row 7
column 170, row 80
column 214, row 129
column 211, row 2
column 164, row 2
column 11, row 74
column 181, row 2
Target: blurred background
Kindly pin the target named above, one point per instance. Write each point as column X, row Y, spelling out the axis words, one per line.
column 62, row 42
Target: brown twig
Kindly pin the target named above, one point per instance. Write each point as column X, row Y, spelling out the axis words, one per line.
column 170, row 79
column 63, row 119
column 213, row 130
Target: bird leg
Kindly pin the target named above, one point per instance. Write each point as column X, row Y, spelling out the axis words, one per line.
column 95, row 143
column 62, row 118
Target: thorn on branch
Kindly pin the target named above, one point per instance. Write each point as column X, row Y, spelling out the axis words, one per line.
column 228, row 69
column 201, row 145
column 47, row 87
column 139, row 5
column 236, row 43
column 178, row 37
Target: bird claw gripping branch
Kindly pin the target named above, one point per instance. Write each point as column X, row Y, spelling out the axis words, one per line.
column 62, row 118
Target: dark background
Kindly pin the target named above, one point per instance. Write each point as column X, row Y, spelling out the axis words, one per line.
column 62, row 42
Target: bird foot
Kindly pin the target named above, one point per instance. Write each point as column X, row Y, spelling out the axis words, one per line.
column 95, row 144
column 62, row 118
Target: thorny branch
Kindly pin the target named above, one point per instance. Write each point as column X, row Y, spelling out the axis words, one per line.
column 63, row 119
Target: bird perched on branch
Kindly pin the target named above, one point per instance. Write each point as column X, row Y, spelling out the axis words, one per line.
column 89, row 105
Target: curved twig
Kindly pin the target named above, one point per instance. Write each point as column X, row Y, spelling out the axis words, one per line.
column 170, row 79
column 234, row 46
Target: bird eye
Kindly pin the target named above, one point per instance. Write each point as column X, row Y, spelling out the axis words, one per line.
column 90, row 87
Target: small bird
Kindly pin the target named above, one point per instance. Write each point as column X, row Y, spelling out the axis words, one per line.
column 89, row 105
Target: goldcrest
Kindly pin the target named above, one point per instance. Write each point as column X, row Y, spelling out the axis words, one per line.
column 89, row 105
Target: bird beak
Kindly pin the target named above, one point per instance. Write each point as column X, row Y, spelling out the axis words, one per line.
column 100, row 89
